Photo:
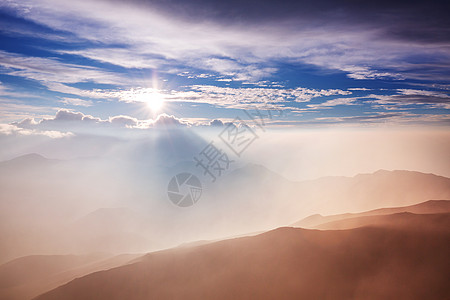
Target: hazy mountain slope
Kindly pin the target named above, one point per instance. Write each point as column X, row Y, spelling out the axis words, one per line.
column 27, row 277
column 335, row 195
column 365, row 263
column 432, row 206
column 116, row 230
column 30, row 268
column 397, row 220
column 41, row 201
column 264, row 197
column 61, row 207
column 27, row 161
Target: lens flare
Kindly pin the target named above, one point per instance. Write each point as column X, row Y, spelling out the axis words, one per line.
column 155, row 102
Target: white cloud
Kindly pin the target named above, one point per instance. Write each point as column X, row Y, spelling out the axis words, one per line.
column 67, row 120
column 227, row 97
column 245, row 98
column 423, row 93
column 10, row 129
column 362, row 73
column 151, row 40
column 238, row 71
column 124, row 121
column 358, row 89
column 77, row 102
column 53, row 70
column 131, row 57
column 411, row 97
column 165, row 120
column 334, row 102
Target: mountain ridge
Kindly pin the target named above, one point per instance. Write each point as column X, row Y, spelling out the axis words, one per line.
column 433, row 206
column 285, row 263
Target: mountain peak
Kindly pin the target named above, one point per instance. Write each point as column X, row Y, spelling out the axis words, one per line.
column 251, row 169
column 27, row 158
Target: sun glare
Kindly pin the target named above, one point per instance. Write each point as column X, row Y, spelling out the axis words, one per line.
column 153, row 100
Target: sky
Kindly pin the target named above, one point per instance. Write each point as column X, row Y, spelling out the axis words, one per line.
column 132, row 64
column 120, row 97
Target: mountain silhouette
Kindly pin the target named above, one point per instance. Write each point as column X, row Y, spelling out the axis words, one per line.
column 431, row 206
column 381, row 262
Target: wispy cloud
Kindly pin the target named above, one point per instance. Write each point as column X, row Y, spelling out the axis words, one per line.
column 422, row 98
column 333, row 102
column 243, row 98
column 13, row 110
column 76, row 102
column 8, row 129
column 151, row 39
column 53, row 70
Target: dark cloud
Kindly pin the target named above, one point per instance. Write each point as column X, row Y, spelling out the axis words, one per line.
column 408, row 97
column 216, row 122
column 422, row 21
column 411, row 99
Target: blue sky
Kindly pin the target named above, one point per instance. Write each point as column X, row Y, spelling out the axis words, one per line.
column 322, row 64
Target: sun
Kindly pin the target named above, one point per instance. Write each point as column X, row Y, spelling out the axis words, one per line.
column 154, row 101
column 151, row 98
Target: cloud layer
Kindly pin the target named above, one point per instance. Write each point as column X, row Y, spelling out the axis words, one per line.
column 297, row 56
